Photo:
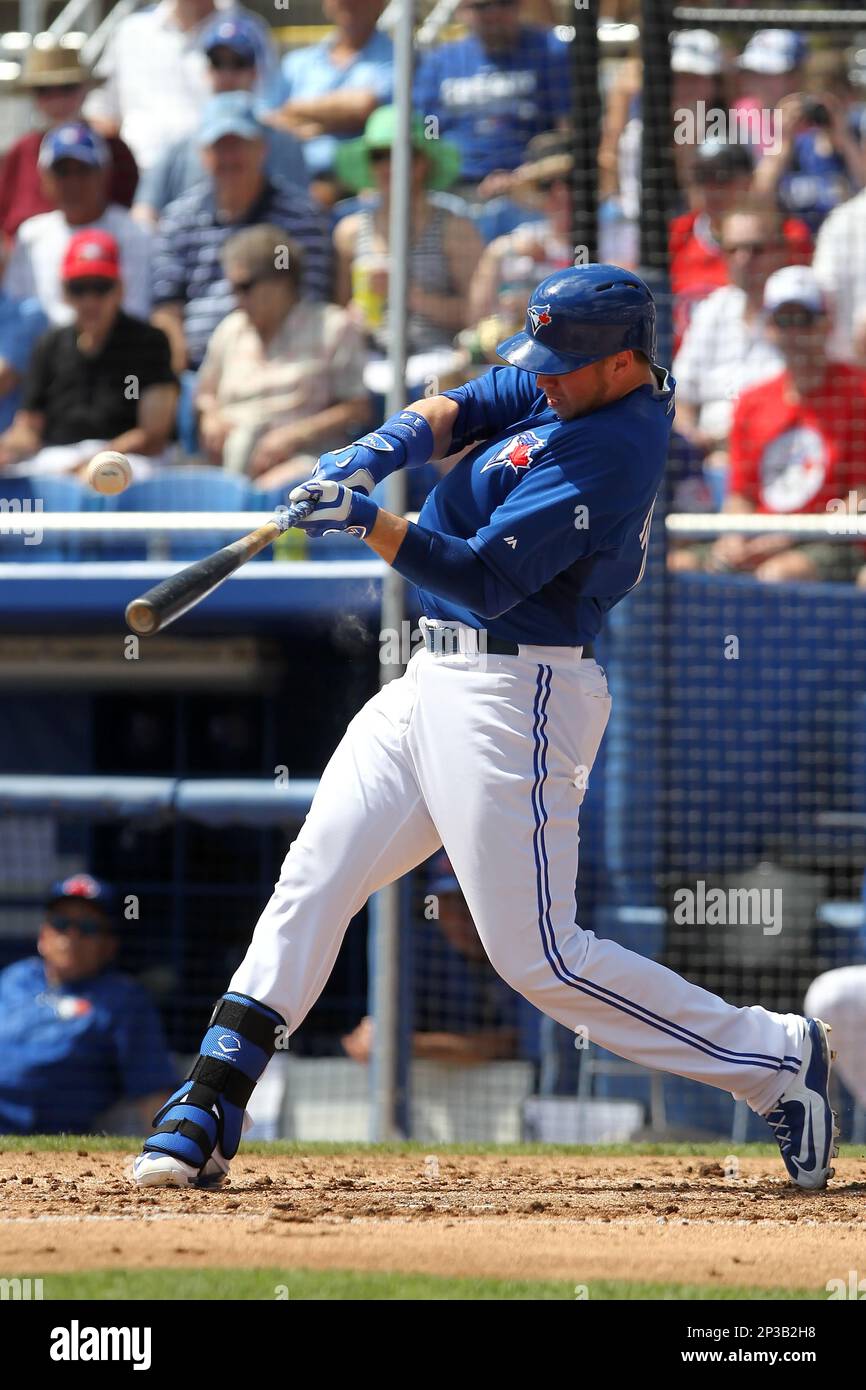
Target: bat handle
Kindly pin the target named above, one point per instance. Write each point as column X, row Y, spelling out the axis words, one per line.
column 287, row 517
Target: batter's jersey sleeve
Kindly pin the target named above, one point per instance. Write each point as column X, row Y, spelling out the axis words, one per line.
column 491, row 404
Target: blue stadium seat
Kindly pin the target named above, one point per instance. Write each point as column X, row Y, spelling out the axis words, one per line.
column 190, row 488
column 194, row 487
column 49, row 494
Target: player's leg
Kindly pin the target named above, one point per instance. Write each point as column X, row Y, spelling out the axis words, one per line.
column 367, row 826
column 529, row 730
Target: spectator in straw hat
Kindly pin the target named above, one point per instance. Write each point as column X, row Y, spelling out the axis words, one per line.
column 58, row 82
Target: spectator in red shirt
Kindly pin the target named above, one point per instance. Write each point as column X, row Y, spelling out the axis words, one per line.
column 798, row 442
column 58, row 83
column 722, row 175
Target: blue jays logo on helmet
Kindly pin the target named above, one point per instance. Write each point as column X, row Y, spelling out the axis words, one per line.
column 518, row 453
column 587, row 312
column 539, row 316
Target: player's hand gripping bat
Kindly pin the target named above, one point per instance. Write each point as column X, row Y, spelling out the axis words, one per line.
column 171, row 598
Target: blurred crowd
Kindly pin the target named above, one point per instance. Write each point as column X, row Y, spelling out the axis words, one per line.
column 197, row 247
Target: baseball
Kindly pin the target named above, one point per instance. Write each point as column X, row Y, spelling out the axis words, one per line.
column 109, row 473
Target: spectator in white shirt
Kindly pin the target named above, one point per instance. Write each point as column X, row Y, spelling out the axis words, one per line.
column 726, row 345
column 75, row 164
column 155, row 74
column 840, row 267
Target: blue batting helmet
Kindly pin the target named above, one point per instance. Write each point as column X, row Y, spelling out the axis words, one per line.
column 581, row 314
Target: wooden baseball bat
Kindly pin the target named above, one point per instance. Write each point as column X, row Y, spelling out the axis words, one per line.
column 176, row 595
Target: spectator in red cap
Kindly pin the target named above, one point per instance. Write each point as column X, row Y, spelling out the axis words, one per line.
column 102, row 382
column 75, row 165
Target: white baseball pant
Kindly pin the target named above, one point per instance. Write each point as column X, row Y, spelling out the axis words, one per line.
column 488, row 756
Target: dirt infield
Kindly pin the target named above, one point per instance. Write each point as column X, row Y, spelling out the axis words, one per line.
column 536, row 1217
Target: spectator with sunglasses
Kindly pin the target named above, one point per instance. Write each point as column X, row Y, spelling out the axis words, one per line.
column 445, row 247
column 233, row 55
column 512, row 265
column 77, row 1036
column 493, row 91
column 58, row 82
column 75, row 165
column 102, row 382
column 727, row 345
column 798, row 442
column 190, row 290
column 154, row 85
column 282, row 380
column 721, row 178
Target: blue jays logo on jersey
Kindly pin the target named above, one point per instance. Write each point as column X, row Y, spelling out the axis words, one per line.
column 539, row 316
column 517, row 453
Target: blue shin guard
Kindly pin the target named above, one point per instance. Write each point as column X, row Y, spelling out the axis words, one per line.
column 208, row 1108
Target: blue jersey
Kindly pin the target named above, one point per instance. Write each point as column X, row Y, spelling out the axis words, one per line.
column 492, row 104
column 559, row 510
column 71, row 1051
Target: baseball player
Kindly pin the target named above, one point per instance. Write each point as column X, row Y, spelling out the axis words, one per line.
column 484, row 744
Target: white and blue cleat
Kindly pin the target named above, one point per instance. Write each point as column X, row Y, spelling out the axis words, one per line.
column 151, row 1169
column 802, row 1121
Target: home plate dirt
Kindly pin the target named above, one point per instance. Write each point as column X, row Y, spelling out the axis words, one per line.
column 677, row 1220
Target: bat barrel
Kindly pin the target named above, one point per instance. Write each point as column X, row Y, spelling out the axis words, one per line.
column 174, row 596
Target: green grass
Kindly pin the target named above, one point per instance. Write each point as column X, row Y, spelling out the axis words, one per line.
column 96, row 1143
column 314, row 1284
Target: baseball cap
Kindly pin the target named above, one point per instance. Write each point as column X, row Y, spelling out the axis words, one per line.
column 74, row 140
column 697, row 51
column 230, row 113
column 716, row 161
column 238, row 33
column 91, row 254
column 857, row 67
column 353, row 156
column 793, row 284
column 773, row 51
column 87, row 889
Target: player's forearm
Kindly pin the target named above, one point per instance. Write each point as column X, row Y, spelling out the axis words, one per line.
column 387, row 535
column 440, row 412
